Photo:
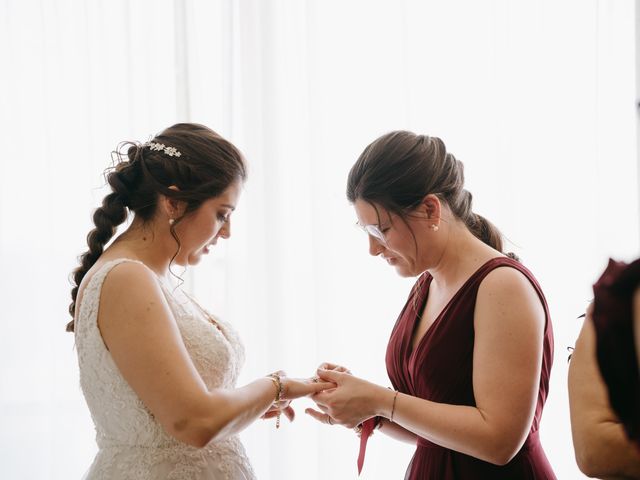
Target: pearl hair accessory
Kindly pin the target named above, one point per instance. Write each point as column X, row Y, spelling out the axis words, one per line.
column 158, row 147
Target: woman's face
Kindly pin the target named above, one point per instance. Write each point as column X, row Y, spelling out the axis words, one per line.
column 200, row 230
column 398, row 245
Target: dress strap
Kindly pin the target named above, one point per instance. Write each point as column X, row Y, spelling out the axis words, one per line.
column 90, row 301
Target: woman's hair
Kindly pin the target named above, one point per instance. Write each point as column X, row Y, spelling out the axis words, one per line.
column 399, row 169
column 191, row 157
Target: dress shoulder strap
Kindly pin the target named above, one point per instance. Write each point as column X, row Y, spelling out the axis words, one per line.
column 87, row 315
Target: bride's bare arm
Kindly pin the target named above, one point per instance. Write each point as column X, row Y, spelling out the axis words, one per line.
column 142, row 336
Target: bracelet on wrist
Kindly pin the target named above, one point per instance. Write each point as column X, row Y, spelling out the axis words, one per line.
column 393, row 406
column 277, row 381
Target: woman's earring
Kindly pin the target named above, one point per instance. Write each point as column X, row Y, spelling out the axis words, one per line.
column 171, row 221
column 434, row 227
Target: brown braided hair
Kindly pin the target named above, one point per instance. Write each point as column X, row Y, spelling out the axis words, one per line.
column 208, row 164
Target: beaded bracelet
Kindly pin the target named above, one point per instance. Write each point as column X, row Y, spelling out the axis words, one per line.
column 275, row 378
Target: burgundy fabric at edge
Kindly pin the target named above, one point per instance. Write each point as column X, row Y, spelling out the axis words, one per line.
column 616, row 351
column 441, row 368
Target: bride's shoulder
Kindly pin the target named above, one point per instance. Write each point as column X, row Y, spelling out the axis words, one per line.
column 127, row 278
column 124, row 273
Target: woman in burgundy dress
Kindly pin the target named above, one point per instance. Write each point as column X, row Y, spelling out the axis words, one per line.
column 470, row 354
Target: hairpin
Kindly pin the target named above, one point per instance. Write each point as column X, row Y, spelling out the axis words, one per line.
column 171, row 151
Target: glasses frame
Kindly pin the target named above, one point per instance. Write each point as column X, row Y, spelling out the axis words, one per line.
column 373, row 230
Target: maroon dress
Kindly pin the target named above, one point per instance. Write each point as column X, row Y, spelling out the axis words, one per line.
column 441, row 368
column 616, row 350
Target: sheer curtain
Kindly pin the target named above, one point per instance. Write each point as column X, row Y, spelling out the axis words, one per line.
column 77, row 78
column 536, row 98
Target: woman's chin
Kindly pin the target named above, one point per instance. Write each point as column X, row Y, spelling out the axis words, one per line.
column 405, row 271
column 194, row 259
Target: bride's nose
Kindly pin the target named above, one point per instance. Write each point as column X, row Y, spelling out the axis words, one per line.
column 225, row 231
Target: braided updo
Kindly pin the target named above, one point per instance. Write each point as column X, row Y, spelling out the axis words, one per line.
column 206, row 166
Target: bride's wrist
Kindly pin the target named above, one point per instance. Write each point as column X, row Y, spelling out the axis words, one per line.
column 277, row 381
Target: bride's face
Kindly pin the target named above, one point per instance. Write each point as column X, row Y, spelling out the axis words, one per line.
column 200, row 230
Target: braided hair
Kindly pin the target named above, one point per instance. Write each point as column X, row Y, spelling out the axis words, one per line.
column 197, row 160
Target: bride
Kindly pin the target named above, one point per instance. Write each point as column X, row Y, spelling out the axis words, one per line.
column 157, row 370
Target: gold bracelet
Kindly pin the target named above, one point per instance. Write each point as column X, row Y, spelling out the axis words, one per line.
column 275, row 378
column 393, row 407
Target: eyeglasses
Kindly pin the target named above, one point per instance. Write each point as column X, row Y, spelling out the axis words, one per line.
column 374, row 231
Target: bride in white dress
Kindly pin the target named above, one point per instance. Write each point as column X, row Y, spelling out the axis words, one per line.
column 158, row 371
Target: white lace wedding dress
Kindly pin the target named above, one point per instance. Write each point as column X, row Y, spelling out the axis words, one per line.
column 132, row 445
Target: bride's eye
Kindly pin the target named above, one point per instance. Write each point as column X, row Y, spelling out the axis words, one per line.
column 223, row 217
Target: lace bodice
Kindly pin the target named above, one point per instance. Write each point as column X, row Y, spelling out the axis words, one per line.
column 132, row 445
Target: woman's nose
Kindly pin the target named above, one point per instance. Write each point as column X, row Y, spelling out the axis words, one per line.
column 375, row 246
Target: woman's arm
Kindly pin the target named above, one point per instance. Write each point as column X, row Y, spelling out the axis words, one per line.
column 601, row 446
column 397, row 432
column 142, row 336
column 509, row 329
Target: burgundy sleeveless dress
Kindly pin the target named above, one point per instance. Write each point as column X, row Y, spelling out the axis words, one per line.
column 440, row 369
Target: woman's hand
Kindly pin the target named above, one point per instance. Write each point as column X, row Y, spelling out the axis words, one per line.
column 280, row 408
column 351, row 402
column 293, row 388
column 334, row 367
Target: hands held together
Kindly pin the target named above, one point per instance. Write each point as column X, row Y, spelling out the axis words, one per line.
column 341, row 398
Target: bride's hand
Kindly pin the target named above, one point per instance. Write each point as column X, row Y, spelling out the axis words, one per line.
column 323, row 416
column 275, row 409
column 353, row 401
column 293, row 388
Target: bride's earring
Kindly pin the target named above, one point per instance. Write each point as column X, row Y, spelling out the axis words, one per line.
column 171, row 221
column 434, row 227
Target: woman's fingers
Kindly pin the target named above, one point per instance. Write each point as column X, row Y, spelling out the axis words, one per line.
column 319, row 416
column 290, row 413
column 335, row 367
column 270, row 414
column 296, row 388
column 287, row 411
column 330, row 375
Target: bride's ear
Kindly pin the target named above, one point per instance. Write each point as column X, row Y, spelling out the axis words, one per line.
column 172, row 208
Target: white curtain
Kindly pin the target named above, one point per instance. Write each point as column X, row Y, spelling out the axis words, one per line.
column 536, row 98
